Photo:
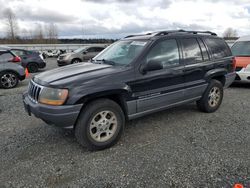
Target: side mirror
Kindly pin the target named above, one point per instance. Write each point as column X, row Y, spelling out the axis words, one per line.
column 85, row 52
column 153, row 65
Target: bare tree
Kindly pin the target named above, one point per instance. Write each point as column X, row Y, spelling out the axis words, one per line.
column 11, row 23
column 230, row 32
column 38, row 34
column 52, row 33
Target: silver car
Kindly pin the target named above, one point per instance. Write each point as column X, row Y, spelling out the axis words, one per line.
column 11, row 71
column 80, row 55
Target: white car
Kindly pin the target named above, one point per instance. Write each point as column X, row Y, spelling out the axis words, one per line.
column 241, row 51
column 54, row 53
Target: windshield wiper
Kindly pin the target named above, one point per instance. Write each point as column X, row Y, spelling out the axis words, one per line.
column 104, row 61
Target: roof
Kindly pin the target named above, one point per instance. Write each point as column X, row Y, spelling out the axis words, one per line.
column 4, row 48
column 244, row 38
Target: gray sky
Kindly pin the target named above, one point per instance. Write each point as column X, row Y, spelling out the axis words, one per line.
column 118, row 18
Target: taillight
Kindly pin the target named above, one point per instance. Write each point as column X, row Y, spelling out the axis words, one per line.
column 234, row 63
column 16, row 59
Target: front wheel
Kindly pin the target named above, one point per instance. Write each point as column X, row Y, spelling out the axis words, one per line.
column 100, row 124
column 212, row 97
column 74, row 61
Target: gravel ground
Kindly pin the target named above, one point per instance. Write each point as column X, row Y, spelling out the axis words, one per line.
column 179, row 147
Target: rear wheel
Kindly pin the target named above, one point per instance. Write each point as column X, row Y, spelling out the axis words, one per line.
column 32, row 67
column 100, row 124
column 212, row 97
column 8, row 80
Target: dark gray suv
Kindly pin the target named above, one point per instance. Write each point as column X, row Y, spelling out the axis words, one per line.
column 133, row 77
column 31, row 60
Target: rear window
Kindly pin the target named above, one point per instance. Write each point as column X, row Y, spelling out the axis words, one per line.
column 218, row 47
column 5, row 56
column 241, row 48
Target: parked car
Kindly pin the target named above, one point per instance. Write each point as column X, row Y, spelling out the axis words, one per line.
column 241, row 51
column 133, row 77
column 52, row 53
column 79, row 55
column 11, row 71
column 31, row 60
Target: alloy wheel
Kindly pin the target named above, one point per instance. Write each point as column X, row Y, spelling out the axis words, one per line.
column 103, row 126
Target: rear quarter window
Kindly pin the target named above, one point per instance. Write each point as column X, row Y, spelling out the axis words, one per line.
column 218, row 48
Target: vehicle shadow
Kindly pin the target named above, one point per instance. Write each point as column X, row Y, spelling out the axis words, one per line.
column 240, row 85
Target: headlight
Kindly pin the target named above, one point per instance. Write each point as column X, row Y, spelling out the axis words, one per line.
column 53, row 96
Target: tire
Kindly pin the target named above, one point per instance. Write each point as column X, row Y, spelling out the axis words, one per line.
column 100, row 124
column 8, row 80
column 212, row 97
column 32, row 67
column 74, row 61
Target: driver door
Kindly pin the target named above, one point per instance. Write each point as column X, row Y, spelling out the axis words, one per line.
column 160, row 88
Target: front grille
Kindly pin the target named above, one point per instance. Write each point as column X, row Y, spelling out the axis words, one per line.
column 34, row 91
column 238, row 69
column 61, row 57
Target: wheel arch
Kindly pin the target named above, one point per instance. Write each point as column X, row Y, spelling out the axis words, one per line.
column 75, row 59
column 217, row 74
column 117, row 96
column 12, row 71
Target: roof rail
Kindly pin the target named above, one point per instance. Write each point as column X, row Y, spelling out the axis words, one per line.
column 184, row 31
column 202, row 32
column 168, row 32
column 159, row 33
column 137, row 35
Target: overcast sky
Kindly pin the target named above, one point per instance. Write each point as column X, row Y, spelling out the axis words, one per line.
column 117, row 18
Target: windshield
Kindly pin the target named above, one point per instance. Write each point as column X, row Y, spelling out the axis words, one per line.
column 80, row 49
column 121, row 52
column 241, row 48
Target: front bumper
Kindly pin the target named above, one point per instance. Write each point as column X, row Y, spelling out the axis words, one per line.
column 230, row 77
column 64, row 116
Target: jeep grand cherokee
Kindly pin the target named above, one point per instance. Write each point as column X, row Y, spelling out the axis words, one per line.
column 133, row 77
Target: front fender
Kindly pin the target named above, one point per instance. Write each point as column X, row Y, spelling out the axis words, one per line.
column 84, row 93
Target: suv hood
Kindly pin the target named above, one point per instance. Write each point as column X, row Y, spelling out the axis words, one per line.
column 71, row 74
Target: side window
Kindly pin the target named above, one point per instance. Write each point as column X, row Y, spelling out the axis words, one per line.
column 91, row 49
column 203, row 50
column 166, row 52
column 218, row 47
column 18, row 52
column 97, row 49
column 5, row 56
column 191, row 50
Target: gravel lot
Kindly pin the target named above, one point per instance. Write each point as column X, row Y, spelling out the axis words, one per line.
column 179, row 147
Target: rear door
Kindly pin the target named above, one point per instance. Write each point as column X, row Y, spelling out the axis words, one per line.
column 197, row 63
column 160, row 88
